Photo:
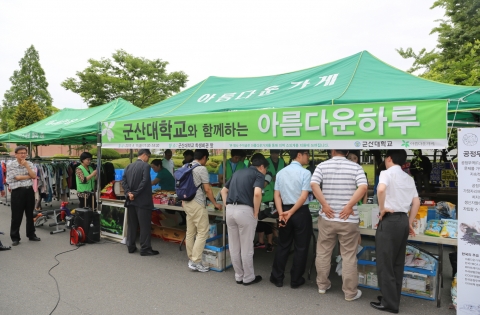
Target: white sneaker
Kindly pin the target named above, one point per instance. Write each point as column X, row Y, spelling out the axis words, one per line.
column 356, row 297
column 200, row 267
column 191, row 264
column 324, row 291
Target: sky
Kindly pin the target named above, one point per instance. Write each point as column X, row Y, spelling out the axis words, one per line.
column 208, row 38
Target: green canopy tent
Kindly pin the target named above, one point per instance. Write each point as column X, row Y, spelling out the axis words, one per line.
column 360, row 78
column 70, row 126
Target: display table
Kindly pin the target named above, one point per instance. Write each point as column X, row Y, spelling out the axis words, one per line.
column 440, row 241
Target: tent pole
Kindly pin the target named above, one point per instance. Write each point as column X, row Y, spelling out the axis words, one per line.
column 99, row 165
column 131, row 156
column 224, row 203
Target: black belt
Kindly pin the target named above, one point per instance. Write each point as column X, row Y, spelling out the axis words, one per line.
column 27, row 187
column 393, row 213
column 238, row 204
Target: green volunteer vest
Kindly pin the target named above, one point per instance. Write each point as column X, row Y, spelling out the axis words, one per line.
column 268, row 191
column 89, row 185
column 229, row 172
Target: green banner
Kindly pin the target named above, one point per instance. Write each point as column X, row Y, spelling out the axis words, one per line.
column 419, row 124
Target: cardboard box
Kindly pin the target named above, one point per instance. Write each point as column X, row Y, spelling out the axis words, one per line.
column 173, row 235
column 213, row 253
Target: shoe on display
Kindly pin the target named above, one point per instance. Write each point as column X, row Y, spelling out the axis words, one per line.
column 356, row 297
column 256, row 280
column 200, row 267
column 269, row 248
column 259, row 245
column 324, row 291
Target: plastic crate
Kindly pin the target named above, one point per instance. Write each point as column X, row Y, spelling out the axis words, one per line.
column 212, row 255
column 417, row 282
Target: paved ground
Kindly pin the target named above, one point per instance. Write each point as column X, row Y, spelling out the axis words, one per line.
column 105, row 279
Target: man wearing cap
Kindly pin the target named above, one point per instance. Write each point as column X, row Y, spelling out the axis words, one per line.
column 243, row 195
column 20, row 175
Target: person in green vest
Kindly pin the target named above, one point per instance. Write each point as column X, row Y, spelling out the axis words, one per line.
column 232, row 165
column 85, row 177
column 275, row 165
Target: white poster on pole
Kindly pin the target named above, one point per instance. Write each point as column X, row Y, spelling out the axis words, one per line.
column 468, row 275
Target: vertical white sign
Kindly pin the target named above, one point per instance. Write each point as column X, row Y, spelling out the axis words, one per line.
column 468, row 275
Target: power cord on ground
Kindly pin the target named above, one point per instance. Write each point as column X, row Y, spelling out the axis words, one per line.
column 58, row 263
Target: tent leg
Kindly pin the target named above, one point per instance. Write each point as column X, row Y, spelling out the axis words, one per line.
column 224, row 202
column 99, row 165
column 131, row 156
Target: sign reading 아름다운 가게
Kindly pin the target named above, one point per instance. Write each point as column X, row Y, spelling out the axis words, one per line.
column 399, row 125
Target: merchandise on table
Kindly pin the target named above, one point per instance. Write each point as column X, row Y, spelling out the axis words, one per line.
column 450, row 228
column 164, row 197
column 420, row 221
column 368, row 214
column 434, row 228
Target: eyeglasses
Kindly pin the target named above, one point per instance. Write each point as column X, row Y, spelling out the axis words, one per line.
column 307, row 153
column 21, row 153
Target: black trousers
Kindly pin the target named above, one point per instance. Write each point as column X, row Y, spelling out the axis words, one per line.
column 143, row 217
column 391, row 242
column 23, row 201
column 264, row 227
column 297, row 231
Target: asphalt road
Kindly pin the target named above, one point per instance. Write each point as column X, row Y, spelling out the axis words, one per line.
column 104, row 279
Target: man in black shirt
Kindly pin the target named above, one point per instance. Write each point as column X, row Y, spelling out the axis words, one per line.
column 243, row 195
column 138, row 194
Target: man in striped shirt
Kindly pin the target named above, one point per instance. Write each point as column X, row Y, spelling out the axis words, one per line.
column 343, row 185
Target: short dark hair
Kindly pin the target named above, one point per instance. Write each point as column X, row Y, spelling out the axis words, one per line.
column 236, row 152
column 344, row 152
column 275, row 151
column 85, row 155
column 200, row 154
column 188, row 152
column 294, row 153
column 21, row 147
column 167, row 151
column 259, row 159
column 144, row 151
column 399, row 157
column 157, row 162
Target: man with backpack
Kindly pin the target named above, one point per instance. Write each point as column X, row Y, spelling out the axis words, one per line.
column 193, row 188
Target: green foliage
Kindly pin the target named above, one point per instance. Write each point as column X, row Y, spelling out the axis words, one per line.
column 3, row 149
column 62, row 156
column 456, row 60
column 27, row 82
column 107, row 154
column 141, row 81
column 27, row 113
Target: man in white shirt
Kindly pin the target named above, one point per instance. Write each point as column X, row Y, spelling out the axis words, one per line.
column 396, row 196
column 167, row 161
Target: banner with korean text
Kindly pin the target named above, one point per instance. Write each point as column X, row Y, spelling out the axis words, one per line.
column 468, row 274
column 397, row 125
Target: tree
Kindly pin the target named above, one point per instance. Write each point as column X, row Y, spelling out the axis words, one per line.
column 456, row 60
column 28, row 82
column 27, row 113
column 138, row 80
